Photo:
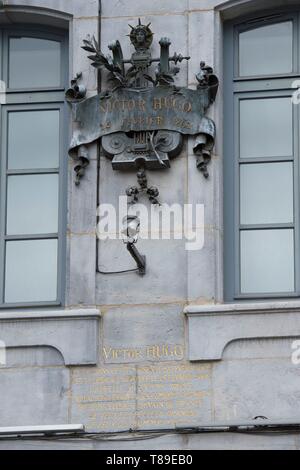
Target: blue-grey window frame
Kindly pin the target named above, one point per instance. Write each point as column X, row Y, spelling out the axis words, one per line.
column 36, row 99
column 235, row 89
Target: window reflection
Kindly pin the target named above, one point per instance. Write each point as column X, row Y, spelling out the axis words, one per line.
column 34, row 63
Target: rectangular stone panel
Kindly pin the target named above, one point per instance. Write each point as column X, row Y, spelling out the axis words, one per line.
column 119, row 398
column 143, row 333
column 34, row 396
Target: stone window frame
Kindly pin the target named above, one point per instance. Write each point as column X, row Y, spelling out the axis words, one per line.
column 78, row 19
column 72, row 328
column 30, row 100
column 235, row 89
column 212, row 327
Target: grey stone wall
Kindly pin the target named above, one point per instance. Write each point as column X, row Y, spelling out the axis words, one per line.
column 142, row 365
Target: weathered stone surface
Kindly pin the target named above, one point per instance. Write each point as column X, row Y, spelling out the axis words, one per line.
column 242, row 442
column 104, row 399
column 141, row 397
column 244, row 389
column 202, row 263
column 210, row 333
column 162, row 283
column 201, row 42
column 82, row 270
column 81, row 28
column 135, row 8
column 82, row 216
column 265, row 348
column 210, row 441
column 34, row 396
column 73, row 333
column 171, row 395
column 202, row 288
column 142, row 327
column 33, row 357
column 204, row 4
column 77, row 8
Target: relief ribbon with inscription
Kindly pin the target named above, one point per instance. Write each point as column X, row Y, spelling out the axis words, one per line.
column 150, row 109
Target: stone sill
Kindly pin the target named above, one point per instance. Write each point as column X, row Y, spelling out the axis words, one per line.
column 74, row 333
column 211, row 328
column 232, row 308
column 48, row 314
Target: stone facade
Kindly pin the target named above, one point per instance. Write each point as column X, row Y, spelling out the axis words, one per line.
column 159, row 351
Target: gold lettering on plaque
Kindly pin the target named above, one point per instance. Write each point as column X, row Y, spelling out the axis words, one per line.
column 124, row 397
column 155, row 352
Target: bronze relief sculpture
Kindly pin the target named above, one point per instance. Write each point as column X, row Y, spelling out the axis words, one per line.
column 143, row 118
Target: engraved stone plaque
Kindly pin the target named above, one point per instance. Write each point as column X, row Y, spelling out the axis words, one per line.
column 159, row 396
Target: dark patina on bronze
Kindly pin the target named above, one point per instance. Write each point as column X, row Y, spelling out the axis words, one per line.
column 143, row 118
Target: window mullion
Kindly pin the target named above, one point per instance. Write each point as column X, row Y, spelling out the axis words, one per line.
column 35, row 97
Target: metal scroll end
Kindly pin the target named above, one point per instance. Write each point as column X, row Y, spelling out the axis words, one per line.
column 208, row 80
column 202, row 164
column 202, row 150
column 77, row 92
column 83, row 162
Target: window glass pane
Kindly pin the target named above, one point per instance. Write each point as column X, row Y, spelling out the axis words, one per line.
column 31, row 271
column 266, row 128
column 266, row 193
column 32, row 204
column 34, row 63
column 267, row 261
column 266, row 50
column 37, row 141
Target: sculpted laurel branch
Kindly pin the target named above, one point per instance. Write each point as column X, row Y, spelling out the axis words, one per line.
column 100, row 60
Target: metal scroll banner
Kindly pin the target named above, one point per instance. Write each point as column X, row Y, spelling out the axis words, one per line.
column 142, row 120
column 141, row 110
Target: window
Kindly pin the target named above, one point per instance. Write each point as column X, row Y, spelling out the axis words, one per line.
column 33, row 172
column 261, row 158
